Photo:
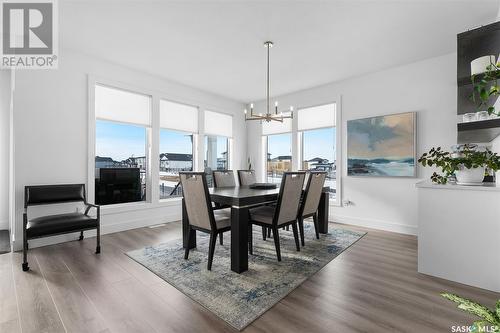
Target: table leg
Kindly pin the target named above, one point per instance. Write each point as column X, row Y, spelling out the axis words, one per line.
column 239, row 239
column 185, row 230
column 323, row 208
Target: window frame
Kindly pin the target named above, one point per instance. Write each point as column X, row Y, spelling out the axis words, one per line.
column 152, row 147
column 92, row 83
column 298, row 149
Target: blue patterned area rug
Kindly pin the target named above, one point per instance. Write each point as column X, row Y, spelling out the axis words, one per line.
column 239, row 299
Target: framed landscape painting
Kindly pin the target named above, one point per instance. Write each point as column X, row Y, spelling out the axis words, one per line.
column 382, row 146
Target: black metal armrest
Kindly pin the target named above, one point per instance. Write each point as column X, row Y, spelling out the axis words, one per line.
column 89, row 206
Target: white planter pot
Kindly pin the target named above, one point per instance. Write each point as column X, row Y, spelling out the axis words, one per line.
column 470, row 176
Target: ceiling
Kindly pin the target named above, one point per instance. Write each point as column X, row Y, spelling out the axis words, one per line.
column 217, row 46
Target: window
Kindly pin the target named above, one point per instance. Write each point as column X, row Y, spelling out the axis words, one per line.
column 178, row 126
column 216, row 155
column 121, row 160
column 279, row 156
column 278, row 150
column 318, row 135
column 319, row 154
column 218, row 130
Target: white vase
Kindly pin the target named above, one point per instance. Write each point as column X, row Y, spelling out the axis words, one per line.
column 470, row 176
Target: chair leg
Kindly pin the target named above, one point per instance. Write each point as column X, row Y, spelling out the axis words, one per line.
column 25, row 255
column 264, row 233
column 301, row 229
column 221, row 238
column 250, row 238
column 211, row 250
column 277, row 242
column 186, row 251
column 296, row 235
column 268, row 232
column 81, row 236
column 315, row 219
column 98, row 246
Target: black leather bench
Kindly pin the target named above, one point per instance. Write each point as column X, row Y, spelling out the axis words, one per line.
column 61, row 223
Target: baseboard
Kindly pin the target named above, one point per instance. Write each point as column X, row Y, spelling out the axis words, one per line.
column 105, row 229
column 375, row 224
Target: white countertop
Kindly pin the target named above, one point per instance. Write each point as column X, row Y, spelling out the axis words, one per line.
column 485, row 187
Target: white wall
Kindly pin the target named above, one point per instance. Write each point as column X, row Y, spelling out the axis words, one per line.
column 4, row 147
column 428, row 87
column 50, row 122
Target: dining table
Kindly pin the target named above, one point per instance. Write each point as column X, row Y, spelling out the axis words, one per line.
column 240, row 199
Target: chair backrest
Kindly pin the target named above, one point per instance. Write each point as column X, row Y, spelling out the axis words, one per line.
column 287, row 207
column 247, row 177
column 197, row 200
column 224, row 178
column 51, row 194
column 306, row 180
column 312, row 194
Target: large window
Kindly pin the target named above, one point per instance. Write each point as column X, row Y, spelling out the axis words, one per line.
column 319, row 154
column 218, row 130
column 178, row 125
column 121, row 159
column 216, row 155
column 176, row 154
column 317, row 133
column 279, row 156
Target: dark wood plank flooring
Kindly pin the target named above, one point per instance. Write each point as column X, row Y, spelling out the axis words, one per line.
column 372, row 287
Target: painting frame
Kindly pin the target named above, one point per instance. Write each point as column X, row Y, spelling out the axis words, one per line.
column 413, row 136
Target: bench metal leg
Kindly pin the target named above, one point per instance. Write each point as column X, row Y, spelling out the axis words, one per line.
column 98, row 247
column 81, row 236
column 25, row 255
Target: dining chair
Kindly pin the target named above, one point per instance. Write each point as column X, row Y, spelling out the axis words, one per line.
column 310, row 201
column 224, row 178
column 246, row 177
column 200, row 212
column 284, row 214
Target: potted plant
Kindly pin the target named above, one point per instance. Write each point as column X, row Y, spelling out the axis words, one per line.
column 485, row 88
column 468, row 165
column 489, row 319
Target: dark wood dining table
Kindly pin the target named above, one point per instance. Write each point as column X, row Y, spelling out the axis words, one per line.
column 241, row 199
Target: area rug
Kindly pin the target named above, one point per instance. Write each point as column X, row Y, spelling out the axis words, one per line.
column 239, row 299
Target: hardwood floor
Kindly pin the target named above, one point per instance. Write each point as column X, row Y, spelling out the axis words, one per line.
column 373, row 286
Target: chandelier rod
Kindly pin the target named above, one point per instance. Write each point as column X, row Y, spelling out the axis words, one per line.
column 268, row 44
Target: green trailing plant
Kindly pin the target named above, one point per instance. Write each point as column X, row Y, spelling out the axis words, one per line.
column 489, row 319
column 449, row 164
column 485, row 88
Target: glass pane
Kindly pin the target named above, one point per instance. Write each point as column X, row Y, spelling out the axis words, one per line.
column 120, row 163
column 216, row 155
column 279, row 156
column 319, row 154
column 176, row 154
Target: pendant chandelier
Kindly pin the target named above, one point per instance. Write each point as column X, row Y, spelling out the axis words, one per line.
column 270, row 115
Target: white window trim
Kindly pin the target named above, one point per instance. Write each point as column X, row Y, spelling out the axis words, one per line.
column 153, row 200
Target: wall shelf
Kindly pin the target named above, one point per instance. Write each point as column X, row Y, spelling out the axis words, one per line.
column 478, row 131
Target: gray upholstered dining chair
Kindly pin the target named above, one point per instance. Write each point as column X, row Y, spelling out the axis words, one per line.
column 284, row 214
column 310, row 201
column 200, row 212
column 246, row 177
column 224, row 178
